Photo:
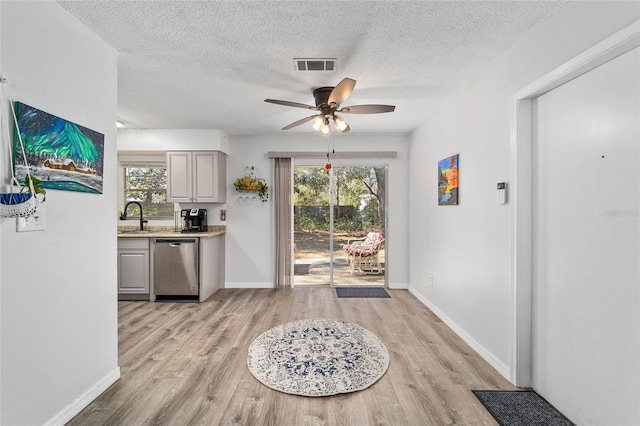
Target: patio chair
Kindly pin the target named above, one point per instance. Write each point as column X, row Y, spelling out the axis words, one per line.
column 362, row 254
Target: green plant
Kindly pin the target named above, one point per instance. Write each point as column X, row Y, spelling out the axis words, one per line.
column 304, row 223
column 347, row 223
column 29, row 181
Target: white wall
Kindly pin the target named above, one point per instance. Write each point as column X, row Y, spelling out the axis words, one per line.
column 249, row 243
column 58, row 308
column 466, row 248
column 136, row 140
column 586, row 292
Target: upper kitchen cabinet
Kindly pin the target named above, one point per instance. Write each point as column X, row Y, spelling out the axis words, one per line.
column 196, row 177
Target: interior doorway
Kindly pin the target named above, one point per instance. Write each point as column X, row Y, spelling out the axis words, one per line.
column 339, row 225
column 527, row 293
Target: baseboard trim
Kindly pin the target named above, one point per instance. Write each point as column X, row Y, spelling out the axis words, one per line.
column 481, row 350
column 85, row 399
column 392, row 286
column 249, row 285
column 398, row 286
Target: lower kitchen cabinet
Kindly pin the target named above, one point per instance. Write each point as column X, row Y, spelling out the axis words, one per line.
column 133, row 269
column 212, row 252
column 136, row 273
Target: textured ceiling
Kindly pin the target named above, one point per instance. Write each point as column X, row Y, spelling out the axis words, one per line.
column 211, row 64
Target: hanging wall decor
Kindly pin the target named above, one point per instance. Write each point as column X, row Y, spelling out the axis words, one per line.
column 61, row 154
column 448, row 181
column 256, row 189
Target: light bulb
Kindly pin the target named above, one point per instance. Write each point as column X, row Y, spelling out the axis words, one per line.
column 325, row 130
column 341, row 123
column 317, row 123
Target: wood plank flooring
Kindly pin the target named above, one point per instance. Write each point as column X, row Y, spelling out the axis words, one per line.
column 185, row 364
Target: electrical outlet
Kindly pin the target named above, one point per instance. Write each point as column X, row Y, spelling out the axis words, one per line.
column 31, row 223
column 431, row 280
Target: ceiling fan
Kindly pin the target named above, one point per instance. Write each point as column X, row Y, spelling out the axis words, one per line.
column 328, row 101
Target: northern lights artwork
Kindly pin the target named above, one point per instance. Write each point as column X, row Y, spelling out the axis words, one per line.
column 448, row 181
column 62, row 154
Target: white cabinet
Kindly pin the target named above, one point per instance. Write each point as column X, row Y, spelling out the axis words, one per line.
column 133, row 268
column 196, row 177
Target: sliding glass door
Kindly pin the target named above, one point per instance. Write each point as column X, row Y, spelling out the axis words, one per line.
column 339, row 225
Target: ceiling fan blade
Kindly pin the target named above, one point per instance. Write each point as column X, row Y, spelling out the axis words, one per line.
column 291, row 104
column 299, row 122
column 341, row 92
column 367, row 109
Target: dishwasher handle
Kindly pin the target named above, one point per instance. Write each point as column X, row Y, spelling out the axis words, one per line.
column 177, row 242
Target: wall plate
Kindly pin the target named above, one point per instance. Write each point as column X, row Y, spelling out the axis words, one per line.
column 32, row 223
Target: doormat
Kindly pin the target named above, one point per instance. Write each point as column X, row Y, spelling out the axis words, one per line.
column 521, row 408
column 361, row 292
column 301, row 269
column 317, row 357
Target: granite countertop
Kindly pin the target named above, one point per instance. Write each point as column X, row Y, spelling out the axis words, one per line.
column 168, row 232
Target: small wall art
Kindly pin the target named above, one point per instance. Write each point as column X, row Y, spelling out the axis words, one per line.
column 62, row 154
column 448, row 181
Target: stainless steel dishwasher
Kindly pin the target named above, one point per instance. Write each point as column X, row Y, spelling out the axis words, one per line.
column 175, row 269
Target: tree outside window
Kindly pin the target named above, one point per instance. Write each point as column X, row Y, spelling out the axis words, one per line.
column 148, row 186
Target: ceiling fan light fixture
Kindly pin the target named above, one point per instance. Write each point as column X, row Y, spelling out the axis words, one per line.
column 317, row 123
column 327, row 102
column 340, row 123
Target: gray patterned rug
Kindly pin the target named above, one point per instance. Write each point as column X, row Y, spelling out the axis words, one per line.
column 520, row 408
column 317, row 357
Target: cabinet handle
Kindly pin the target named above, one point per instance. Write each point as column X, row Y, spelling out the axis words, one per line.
column 174, row 245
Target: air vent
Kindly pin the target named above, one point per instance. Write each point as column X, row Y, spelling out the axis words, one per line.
column 303, row 64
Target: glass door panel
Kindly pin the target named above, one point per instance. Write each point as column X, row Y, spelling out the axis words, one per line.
column 359, row 217
column 311, row 226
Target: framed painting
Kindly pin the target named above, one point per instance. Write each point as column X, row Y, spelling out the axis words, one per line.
column 62, row 154
column 448, row 181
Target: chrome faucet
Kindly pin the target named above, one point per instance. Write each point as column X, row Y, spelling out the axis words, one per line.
column 123, row 216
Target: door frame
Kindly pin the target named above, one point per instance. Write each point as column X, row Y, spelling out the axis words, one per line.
column 520, row 119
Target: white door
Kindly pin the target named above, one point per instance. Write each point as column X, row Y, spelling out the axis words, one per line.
column 586, row 280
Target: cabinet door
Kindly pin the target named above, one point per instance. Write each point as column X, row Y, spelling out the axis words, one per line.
column 179, row 177
column 204, row 169
column 133, row 271
column 209, row 178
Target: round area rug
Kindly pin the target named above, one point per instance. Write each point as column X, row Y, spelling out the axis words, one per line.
column 317, row 357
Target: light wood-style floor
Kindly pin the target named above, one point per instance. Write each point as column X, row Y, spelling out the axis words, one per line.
column 185, row 364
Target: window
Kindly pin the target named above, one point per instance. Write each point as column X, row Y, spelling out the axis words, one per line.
column 146, row 183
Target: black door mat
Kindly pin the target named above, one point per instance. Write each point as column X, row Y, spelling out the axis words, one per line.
column 361, row 292
column 301, row 269
column 521, row 408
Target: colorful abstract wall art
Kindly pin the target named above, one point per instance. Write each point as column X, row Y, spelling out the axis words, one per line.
column 62, row 154
column 448, row 181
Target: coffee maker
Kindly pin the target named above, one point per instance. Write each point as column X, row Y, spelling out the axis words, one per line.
column 194, row 220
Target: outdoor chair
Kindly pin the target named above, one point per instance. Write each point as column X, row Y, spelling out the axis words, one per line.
column 362, row 254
